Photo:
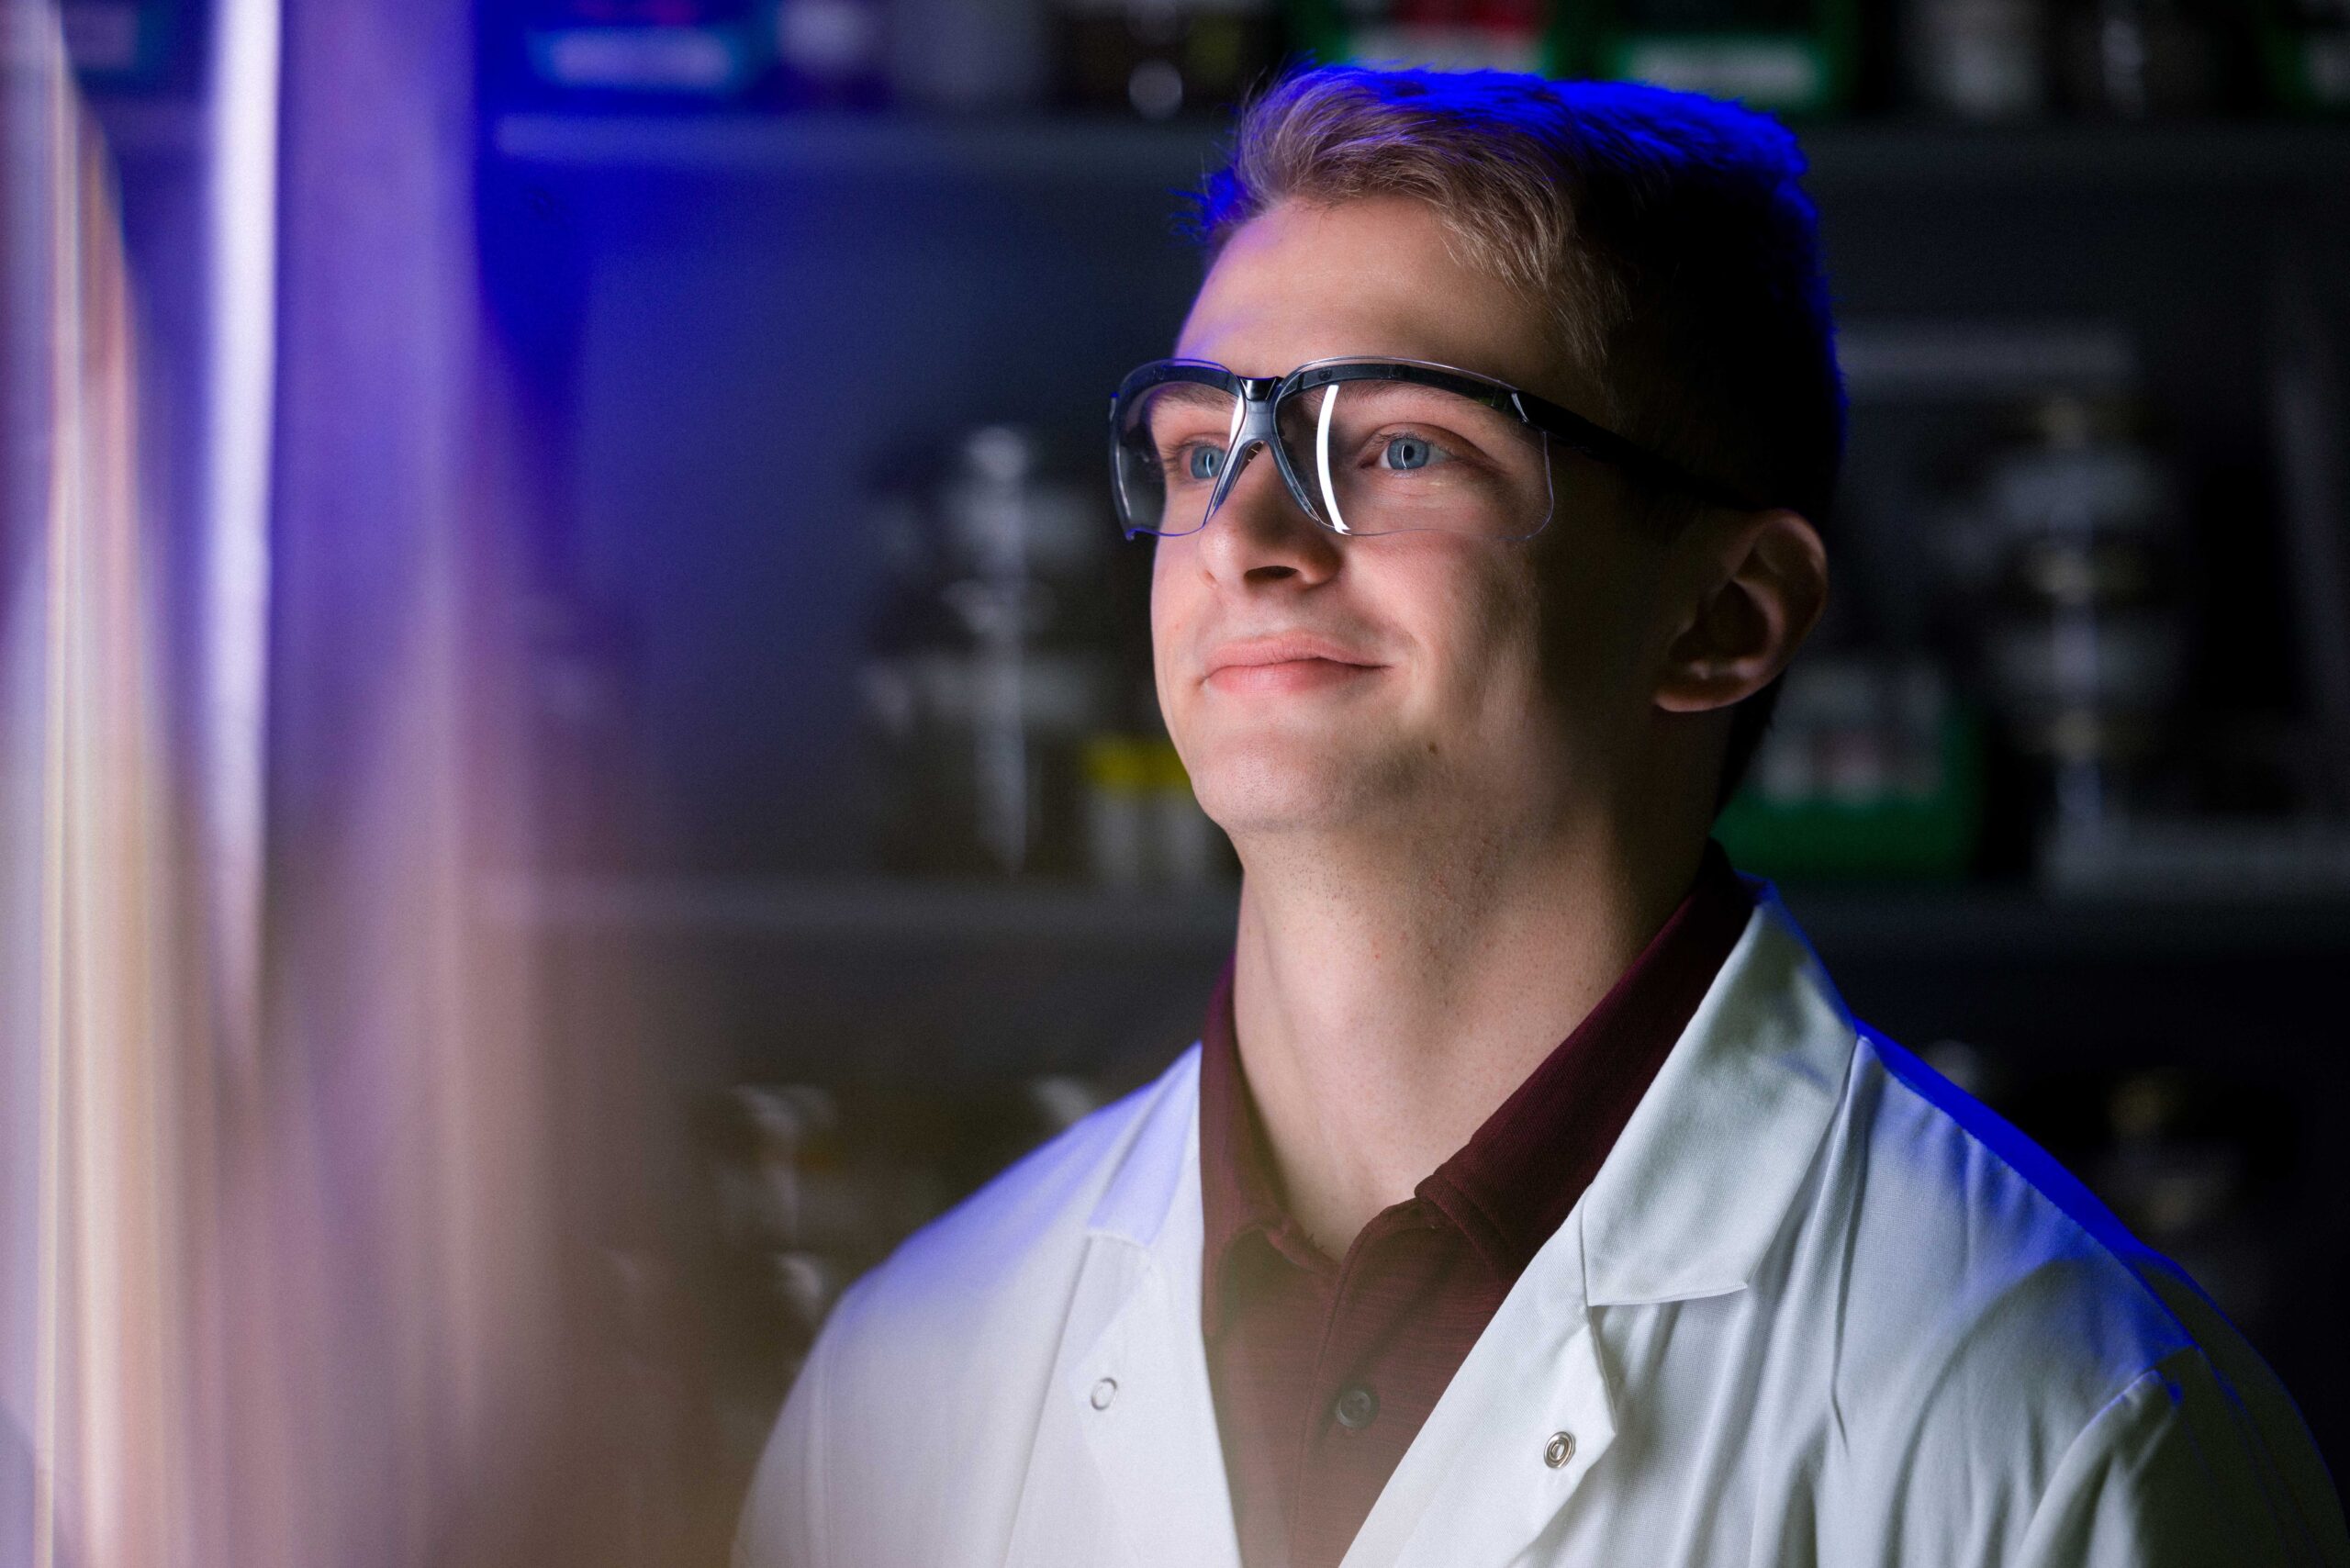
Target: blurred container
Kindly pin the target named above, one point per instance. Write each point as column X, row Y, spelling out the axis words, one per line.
column 2177, row 1170
column 583, row 671
column 785, row 1207
column 1984, row 60
column 785, row 1186
column 1193, row 851
column 1988, row 1076
column 991, row 663
column 1117, row 810
column 2145, row 58
column 809, row 1187
column 1159, row 58
column 1144, row 826
column 830, row 54
column 2305, row 50
column 2083, row 645
column 1796, row 57
column 1499, row 35
column 633, row 51
column 2190, row 1162
column 970, row 55
column 1870, row 768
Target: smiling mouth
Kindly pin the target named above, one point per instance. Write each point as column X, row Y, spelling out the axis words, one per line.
column 1310, row 672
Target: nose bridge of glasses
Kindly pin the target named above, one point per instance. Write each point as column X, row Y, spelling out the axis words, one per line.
column 1252, row 431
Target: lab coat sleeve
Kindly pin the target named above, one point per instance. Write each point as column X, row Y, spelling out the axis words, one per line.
column 2175, row 1471
column 783, row 1523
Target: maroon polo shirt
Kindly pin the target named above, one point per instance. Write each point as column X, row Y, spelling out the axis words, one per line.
column 1324, row 1372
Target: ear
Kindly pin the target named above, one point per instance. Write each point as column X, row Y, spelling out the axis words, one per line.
column 1761, row 581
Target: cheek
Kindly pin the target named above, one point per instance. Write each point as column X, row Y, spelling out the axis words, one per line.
column 1487, row 617
column 1513, row 617
column 1174, row 606
column 1167, row 608
column 1594, row 621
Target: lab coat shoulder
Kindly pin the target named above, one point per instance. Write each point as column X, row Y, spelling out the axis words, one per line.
column 933, row 1365
column 2009, row 1375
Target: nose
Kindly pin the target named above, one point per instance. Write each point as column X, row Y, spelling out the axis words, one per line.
column 1256, row 533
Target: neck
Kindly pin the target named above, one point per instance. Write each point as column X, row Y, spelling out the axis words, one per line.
column 1389, row 996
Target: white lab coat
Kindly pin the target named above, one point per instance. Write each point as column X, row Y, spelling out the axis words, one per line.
column 1816, row 1307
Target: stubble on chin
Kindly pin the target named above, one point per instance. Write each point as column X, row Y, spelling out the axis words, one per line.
column 1289, row 786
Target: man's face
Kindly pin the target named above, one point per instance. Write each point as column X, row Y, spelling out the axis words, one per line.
column 1411, row 679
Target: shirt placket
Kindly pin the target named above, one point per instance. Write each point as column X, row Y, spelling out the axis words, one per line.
column 1350, row 1434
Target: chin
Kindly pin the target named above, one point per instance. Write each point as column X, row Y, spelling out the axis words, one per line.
column 1289, row 785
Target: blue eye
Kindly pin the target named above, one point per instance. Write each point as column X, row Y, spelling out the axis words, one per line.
column 1204, row 463
column 1407, row 451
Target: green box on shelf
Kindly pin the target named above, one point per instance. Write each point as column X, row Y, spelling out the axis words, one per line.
column 1793, row 57
column 1548, row 40
column 2307, row 60
column 1931, row 834
column 1790, row 57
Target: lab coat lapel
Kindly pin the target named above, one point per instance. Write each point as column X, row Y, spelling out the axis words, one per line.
column 1700, row 1184
column 1684, row 1206
column 1130, row 1393
column 1150, row 1420
column 1517, row 1430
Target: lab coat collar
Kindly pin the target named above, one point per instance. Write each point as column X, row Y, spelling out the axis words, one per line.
column 1758, row 1070
column 1700, row 1181
column 1159, row 1165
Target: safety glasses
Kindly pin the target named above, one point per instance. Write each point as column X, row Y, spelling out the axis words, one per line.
column 1366, row 446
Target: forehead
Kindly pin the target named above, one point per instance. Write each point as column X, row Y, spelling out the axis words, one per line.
column 1376, row 276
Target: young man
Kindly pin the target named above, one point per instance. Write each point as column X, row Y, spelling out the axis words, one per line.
column 1531, row 1197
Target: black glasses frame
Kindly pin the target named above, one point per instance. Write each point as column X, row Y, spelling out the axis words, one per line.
column 1258, row 400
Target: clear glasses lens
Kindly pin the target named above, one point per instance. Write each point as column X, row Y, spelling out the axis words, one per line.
column 1171, row 444
column 1370, row 457
column 1396, row 457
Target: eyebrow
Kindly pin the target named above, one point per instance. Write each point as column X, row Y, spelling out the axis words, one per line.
column 1190, row 392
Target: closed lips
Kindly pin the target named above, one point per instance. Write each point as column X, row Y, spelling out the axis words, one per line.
column 1257, row 651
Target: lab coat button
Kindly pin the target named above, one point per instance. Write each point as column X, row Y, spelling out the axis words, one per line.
column 1104, row 1392
column 1561, row 1450
column 1356, row 1408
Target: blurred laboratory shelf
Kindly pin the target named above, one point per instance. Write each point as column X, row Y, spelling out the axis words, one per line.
column 1862, row 920
column 1064, row 148
column 876, row 910
column 2097, row 156
column 660, row 269
column 1079, row 148
column 888, row 977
